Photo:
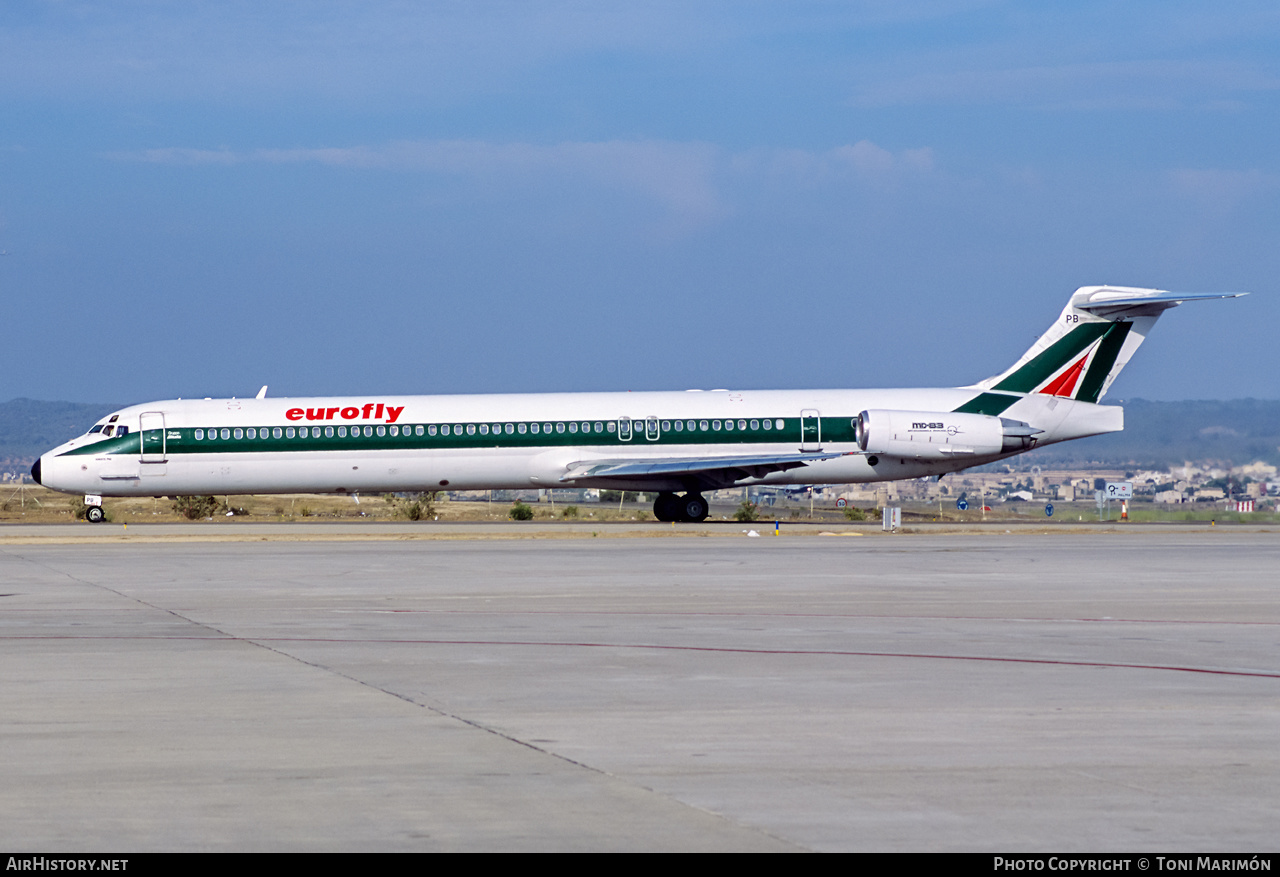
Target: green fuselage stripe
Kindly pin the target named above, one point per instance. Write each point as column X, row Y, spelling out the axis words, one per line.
column 183, row 440
column 1060, row 353
column 1103, row 360
column 988, row 403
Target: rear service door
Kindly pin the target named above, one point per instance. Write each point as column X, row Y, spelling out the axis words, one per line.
column 810, row 430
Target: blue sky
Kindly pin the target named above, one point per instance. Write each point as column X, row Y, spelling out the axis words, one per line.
column 198, row 199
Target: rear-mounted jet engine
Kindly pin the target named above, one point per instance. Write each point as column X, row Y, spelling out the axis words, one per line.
column 939, row 435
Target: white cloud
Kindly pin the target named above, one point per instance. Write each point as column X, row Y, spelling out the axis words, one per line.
column 1081, row 86
column 868, row 159
column 861, row 162
column 175, row 155
column 679, row 176
column 675, row 175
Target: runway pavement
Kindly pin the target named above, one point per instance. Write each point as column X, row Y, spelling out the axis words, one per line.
column 1094, row 691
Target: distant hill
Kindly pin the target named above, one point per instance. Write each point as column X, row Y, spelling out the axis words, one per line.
column 28, row 427
column 1156, row 434
column 1164, row 434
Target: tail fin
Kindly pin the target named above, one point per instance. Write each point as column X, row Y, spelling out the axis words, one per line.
column 1091, row 341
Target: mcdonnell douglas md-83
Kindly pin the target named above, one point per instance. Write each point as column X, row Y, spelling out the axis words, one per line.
column 679, row 444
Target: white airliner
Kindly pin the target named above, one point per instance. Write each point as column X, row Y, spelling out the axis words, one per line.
column 678, row 444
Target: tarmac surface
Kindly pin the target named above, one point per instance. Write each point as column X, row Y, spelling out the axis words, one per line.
column 1113, row 690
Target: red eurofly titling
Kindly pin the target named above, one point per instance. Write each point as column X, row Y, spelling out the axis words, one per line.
column 368, row 411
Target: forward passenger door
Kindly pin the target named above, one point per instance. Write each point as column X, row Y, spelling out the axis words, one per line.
column 151, row 436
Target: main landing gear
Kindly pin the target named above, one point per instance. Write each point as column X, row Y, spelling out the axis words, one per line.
column 688, row 509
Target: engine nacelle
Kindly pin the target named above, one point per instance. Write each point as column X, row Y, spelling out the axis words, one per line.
column 941, row 435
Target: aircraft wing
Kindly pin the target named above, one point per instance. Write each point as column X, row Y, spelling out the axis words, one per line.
column 703, row 472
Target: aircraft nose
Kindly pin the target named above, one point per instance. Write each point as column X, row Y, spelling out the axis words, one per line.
column 35, row 472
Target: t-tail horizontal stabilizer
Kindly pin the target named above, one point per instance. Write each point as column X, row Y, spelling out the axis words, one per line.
column 1092, row 340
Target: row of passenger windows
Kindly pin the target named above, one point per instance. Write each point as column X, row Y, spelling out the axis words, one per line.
column 301, row 432
column 587, row 427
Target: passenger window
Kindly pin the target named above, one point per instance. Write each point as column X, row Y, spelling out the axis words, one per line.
column 471, row 429
column 573, row 427
column 484, row 429
column 275, row 433
column 328, row 432
column 342, row 431
column 546, row 427
column 226, row 433
column 704, row 425
column 510, row 429
column 239, row 433
column 418, row 430
column 521, row 428
column 768, row 424
column 533, row 428
column 559, row 427
column 755, row 424
column 382, row 430
column 289, row 433
column 199, row 434
column 728, row 424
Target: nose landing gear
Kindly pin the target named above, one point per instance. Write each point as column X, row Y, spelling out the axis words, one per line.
column 689, row 509
column 94, row 514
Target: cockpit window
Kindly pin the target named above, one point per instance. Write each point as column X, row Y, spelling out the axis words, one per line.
column 108, row 430
column 122, row 430
column 97, row 428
